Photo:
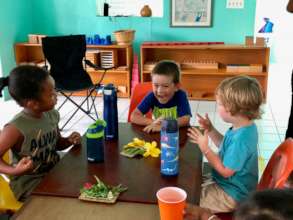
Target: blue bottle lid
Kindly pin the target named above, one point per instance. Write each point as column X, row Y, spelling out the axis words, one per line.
column 170, row 125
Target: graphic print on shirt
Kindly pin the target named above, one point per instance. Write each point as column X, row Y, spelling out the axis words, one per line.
column 43, row 152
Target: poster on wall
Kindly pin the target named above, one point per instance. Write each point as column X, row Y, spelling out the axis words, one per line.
column 191, row 13
column 124, row 8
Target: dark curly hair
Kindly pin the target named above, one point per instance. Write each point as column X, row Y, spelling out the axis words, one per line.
column 25, row 82
column 273, row 204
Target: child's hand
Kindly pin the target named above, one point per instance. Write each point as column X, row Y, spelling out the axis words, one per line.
column 198, row 138
column 74, row 138
column 158, row 120
column 205, row 123
column 152, row 128
column 193, row 212
column 155, row 125
column 24, row 165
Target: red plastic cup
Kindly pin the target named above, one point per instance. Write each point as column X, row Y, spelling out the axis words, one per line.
column 171, row 203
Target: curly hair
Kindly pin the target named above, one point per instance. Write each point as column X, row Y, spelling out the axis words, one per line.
column 25, row 82
column 273, row 204
column 241, row 95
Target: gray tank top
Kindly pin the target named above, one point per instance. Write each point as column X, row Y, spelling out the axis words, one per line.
column 40, row 138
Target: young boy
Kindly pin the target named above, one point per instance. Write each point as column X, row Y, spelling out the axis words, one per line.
column 32, row 135
column 166, row 100
column 235, row 169
column 272, row 204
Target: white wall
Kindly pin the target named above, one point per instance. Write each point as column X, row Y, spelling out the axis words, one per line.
column 279, row 84
column 282, row 37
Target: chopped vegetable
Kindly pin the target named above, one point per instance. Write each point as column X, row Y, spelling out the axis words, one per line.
column 101, row 190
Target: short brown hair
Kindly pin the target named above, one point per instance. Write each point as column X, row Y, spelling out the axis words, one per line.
column 168, row 68
column 241, row 95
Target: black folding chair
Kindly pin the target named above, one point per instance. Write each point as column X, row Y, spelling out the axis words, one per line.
column 65, row 55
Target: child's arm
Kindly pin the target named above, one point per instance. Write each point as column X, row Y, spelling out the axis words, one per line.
column 138, row 118
column 72, row 139
column 9, row 137
column 213, row 133
column 183, row 121
column 202, row 140
column 155, row 126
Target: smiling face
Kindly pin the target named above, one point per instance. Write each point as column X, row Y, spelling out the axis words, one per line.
column 48, row 97
column 163, row 87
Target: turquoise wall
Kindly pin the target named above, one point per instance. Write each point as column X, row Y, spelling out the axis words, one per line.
column 56, row 17
column 15, row 24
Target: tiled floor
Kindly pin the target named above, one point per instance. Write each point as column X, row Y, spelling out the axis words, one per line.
column 272, row 126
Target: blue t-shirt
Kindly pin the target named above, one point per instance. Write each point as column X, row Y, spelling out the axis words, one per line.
column 238, row 152
column 176, row 107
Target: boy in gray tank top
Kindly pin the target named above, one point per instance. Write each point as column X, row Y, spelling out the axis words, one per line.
column 32, row 135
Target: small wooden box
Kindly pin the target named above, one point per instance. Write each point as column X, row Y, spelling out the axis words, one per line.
column 33, row 38
column 93, row 57
column 108, row 58
column 209, row 64
column 244, row 68
column 149, row 65
column 40, row 38
column 249, row 41
column 260, row 41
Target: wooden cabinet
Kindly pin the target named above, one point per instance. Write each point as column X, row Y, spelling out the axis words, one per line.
column 203, row 67
column 119, row 55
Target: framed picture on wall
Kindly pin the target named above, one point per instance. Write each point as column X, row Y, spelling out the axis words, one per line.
column 191, row 13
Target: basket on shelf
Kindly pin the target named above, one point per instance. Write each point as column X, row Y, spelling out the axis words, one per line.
column 124, row 37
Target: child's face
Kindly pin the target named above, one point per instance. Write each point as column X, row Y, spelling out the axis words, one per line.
column 163, row 87
column 222, row 111
column 48, row 97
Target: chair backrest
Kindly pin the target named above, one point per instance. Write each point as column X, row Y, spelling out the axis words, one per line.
column 65, row 55
column 139, row 92
column 7, row 200
column 279, row 167
column 6, row 157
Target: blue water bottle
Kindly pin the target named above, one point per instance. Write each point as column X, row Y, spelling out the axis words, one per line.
column 169, row 147
column 95, row 141
column 110, row 113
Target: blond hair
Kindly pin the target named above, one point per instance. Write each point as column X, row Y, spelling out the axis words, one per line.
column 241, row 95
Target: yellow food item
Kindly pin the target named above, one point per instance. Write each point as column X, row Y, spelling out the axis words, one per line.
column 149, row 147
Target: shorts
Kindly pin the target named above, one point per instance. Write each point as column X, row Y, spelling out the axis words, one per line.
column 214, row 198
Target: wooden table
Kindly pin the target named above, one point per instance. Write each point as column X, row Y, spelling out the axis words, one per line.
column 141, row 176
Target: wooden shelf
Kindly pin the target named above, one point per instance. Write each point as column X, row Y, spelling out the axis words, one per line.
column 220, row 72
column 200, row 84
column 33, row 53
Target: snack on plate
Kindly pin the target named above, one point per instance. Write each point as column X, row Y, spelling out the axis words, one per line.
column 140, row 147
column 100, row 192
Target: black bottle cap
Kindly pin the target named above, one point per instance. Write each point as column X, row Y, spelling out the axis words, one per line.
column 170, row 125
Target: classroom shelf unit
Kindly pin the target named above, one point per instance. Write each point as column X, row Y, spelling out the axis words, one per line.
column 203, row 67
column 120, row 56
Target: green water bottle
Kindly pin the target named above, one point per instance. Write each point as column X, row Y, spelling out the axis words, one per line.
column 95, row 141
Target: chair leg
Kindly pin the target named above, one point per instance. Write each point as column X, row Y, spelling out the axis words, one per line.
column 79, row 107
column 63, row 101
column 93, row 97
column 93, row 104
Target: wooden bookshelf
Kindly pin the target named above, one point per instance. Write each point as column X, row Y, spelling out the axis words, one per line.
column 119, row 75
column 200, row 83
